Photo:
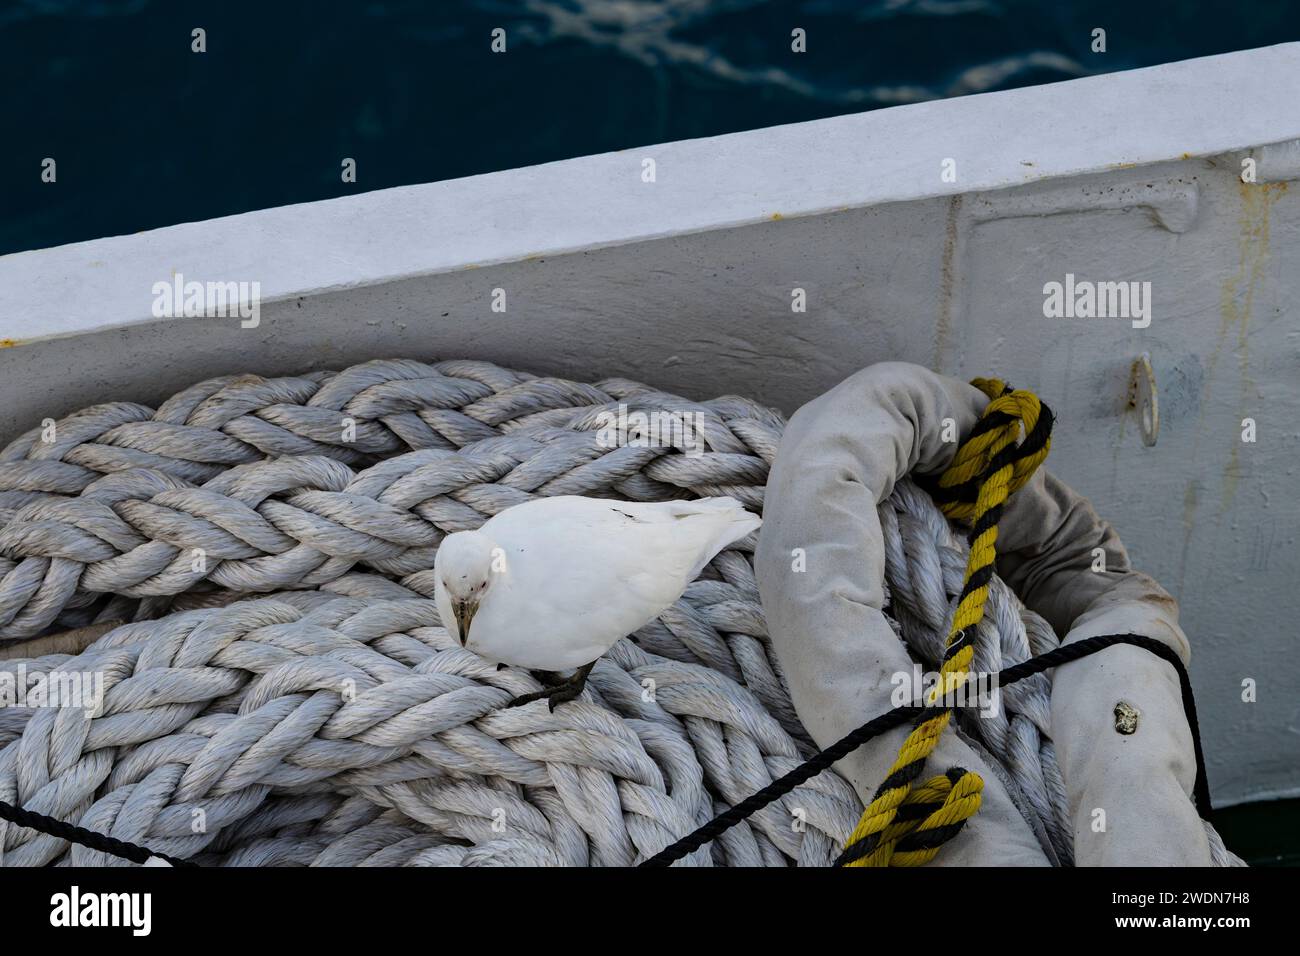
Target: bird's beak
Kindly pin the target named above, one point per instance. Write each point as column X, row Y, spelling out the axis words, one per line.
column 464, row 611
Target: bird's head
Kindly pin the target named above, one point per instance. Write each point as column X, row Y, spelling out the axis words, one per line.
column 464, row 569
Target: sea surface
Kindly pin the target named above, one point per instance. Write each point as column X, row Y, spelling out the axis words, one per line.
column 146, row 133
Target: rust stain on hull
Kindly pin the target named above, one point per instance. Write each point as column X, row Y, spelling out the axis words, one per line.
column 1237, row 301
column 947, row 283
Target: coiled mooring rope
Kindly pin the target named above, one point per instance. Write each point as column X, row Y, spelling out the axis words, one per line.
column 246, row 484
column 926, row 801
column 237, row 713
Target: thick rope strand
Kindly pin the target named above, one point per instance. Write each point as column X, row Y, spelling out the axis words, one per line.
column 940, row 798
column 935, row 798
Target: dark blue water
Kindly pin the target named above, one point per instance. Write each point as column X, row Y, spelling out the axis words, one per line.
column 147, row 133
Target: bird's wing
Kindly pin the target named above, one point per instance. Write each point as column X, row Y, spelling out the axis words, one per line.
column 697, row 529
column 652, row 550
column 584, row 572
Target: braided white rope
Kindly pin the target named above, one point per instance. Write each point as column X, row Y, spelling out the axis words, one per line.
column 207, row 714
column 338, row 724
column 251, row 485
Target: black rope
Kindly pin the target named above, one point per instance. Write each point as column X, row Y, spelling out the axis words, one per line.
column 894, row 718
column 82, row 836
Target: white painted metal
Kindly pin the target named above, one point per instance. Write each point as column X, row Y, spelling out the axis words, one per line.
column 686, row 282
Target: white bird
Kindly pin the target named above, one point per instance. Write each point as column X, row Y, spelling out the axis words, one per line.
column 552, row 584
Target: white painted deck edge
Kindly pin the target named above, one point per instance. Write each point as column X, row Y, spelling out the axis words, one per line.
column 1197, row 107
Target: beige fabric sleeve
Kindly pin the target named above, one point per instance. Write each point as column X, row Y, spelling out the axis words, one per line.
column 839, row 459
column 1129, row 794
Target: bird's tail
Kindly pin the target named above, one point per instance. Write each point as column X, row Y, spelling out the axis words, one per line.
column 729, row 520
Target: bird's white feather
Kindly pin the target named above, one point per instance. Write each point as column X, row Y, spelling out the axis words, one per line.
column 581, row 573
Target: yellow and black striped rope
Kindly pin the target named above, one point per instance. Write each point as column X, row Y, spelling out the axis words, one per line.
column 905, row 825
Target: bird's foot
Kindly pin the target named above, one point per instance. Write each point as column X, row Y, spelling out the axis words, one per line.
column 560, row 693
column 553, row 695
column 529, row 698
